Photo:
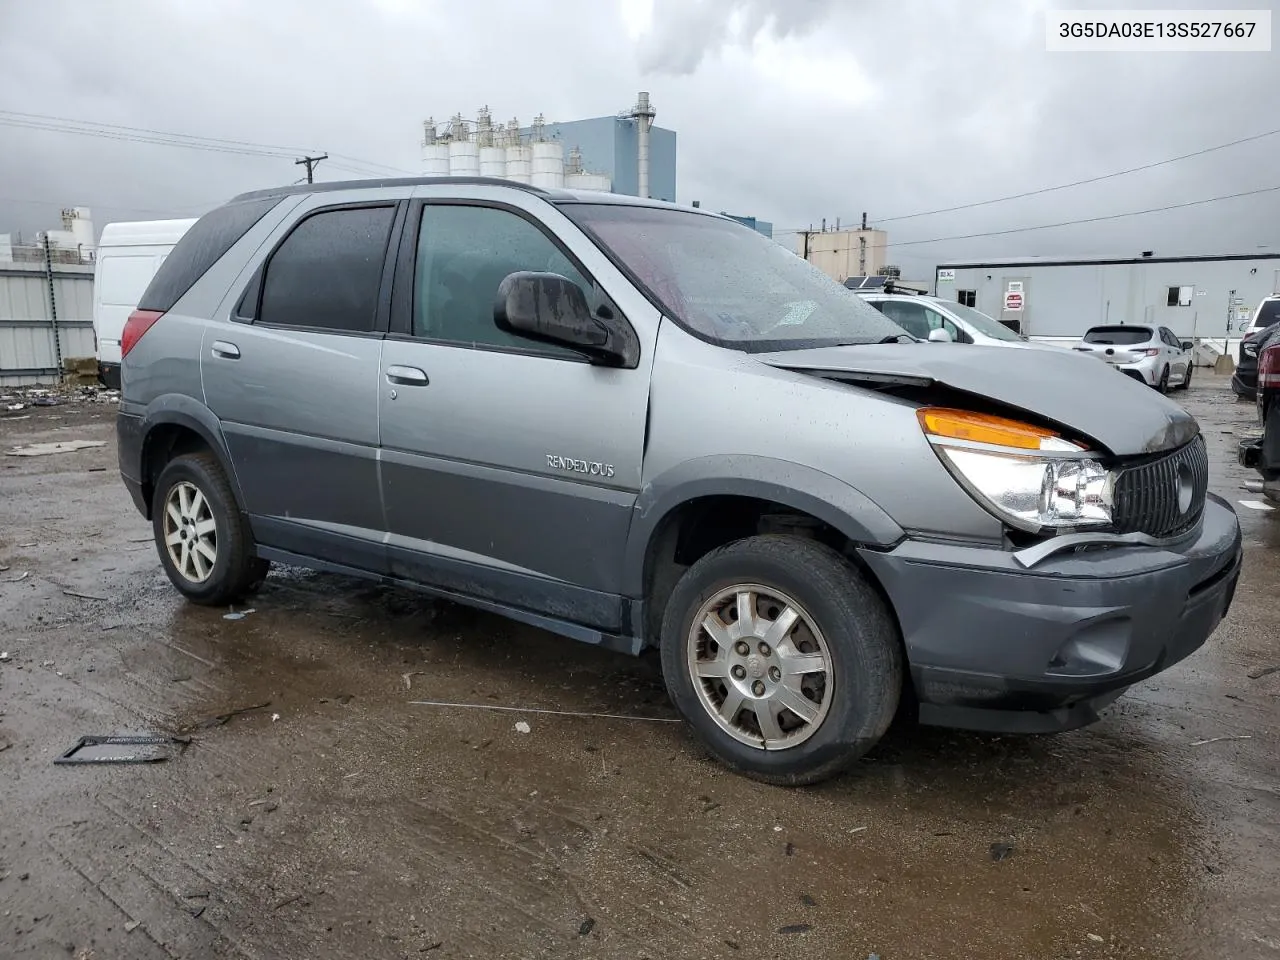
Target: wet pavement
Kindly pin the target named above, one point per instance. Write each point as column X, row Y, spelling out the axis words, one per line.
column 333, row 817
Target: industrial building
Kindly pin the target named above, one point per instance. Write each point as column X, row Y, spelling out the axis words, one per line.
column 1204, row 298
column 624, row 154
column 46, row 300
column 842, row 254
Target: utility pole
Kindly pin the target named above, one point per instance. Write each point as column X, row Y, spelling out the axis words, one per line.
column 310, row 163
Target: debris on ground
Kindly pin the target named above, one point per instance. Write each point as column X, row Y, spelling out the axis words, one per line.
column 1201, row 743
column 408, row 677
column 1261, row 672
column 84, row 596
column 19, row 578
column 1095, row 938
column 807, row 900
column 794, row 928
column 223, row 718
column 5, row 656
column 275, row 717
column 142, row 749
column 233, row 615
column 132, row 925
column 1001, row 851
column 555, row 713
column 586, row 927
column 522, row 727
column 58, row 446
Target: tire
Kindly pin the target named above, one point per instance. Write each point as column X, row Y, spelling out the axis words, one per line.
column 1186, row 381
column 1163, row 385
column 234, row 571
column 851, row 700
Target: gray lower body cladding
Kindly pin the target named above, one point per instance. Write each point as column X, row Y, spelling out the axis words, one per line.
column 995, row 647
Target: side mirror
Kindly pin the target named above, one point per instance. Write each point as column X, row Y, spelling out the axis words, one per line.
column 553, row 309
column 1187, row 345
column 939, row 335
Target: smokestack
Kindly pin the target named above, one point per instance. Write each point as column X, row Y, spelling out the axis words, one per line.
column 643, row 114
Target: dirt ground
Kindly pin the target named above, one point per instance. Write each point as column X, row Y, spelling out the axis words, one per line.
column 338, row 819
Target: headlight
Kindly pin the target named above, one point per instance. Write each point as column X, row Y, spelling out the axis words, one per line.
column 1029, row 477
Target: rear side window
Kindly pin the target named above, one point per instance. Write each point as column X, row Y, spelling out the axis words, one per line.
column 327, row 272
column 1118, row 336
column 200, row 248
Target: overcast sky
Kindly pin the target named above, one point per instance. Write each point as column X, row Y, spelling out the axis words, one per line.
column 791, row 110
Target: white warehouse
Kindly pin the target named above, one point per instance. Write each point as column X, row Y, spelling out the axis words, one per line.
column 1207, row 298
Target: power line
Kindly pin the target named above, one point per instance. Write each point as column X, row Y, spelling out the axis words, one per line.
column 1074, row 223
column 119, row 132
column 1079, row 183
column 147, row 131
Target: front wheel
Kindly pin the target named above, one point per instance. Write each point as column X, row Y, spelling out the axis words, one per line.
column 1186, row 380
column 1163, row 385
column 782, row 658
column 203, row 539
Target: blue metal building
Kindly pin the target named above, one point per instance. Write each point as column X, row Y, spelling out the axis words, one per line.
column 610, row 146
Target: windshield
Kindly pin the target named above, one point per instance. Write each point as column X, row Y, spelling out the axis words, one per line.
column 987, row 326
column 727, row 283
column 1118, row 336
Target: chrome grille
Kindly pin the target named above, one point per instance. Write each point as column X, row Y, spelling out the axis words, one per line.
column 1163, row 497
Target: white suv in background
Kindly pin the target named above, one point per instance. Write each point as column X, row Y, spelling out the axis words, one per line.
column 921, row 315
column 1153, row 355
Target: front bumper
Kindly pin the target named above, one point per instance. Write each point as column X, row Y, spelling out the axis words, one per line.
column 995, row 646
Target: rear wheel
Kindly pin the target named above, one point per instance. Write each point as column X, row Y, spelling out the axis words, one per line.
column 204, row 540
column 782, row 658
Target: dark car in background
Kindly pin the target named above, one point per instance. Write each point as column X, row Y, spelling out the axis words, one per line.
column 1244, row 381
column 1263, row 454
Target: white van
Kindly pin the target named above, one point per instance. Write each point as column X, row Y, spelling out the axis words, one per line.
column 129, row 254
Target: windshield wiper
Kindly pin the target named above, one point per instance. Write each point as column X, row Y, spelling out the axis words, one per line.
column 898, row 338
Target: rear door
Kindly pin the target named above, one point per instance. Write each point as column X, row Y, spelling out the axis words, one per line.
column 293, row 376
column 509, row 468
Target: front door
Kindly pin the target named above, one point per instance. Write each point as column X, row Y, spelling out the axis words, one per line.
column 509, row 468
column 293, row 377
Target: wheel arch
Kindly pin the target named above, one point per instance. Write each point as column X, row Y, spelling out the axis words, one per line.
column 751, row 485
column 177, row 424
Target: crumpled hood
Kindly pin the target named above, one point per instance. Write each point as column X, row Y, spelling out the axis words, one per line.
column 1061, row 386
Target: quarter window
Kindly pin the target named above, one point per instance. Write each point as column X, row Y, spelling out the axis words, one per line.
column 464, row 253
column 327, row 273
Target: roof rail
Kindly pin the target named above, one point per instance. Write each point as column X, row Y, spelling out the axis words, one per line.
column 330, row 185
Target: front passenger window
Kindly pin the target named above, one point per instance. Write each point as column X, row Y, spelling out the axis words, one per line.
column 464, row 253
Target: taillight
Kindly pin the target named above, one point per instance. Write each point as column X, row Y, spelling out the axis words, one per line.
column 139, row 322
column 1269, row 368
column 1155, row 352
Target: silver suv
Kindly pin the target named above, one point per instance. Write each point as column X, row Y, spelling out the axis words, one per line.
column 639, row 425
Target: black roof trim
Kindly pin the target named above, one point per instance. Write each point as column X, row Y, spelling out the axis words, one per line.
column 330, row 185
column 1206, row 258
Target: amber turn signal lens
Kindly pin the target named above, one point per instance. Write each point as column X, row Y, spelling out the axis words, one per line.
column 952, row 424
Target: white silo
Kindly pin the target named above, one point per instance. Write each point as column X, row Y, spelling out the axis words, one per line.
column 78, row 221
column 548, row 165
column 519, row 156
column 493, row 161
column 435, row 155
column 464, row 158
